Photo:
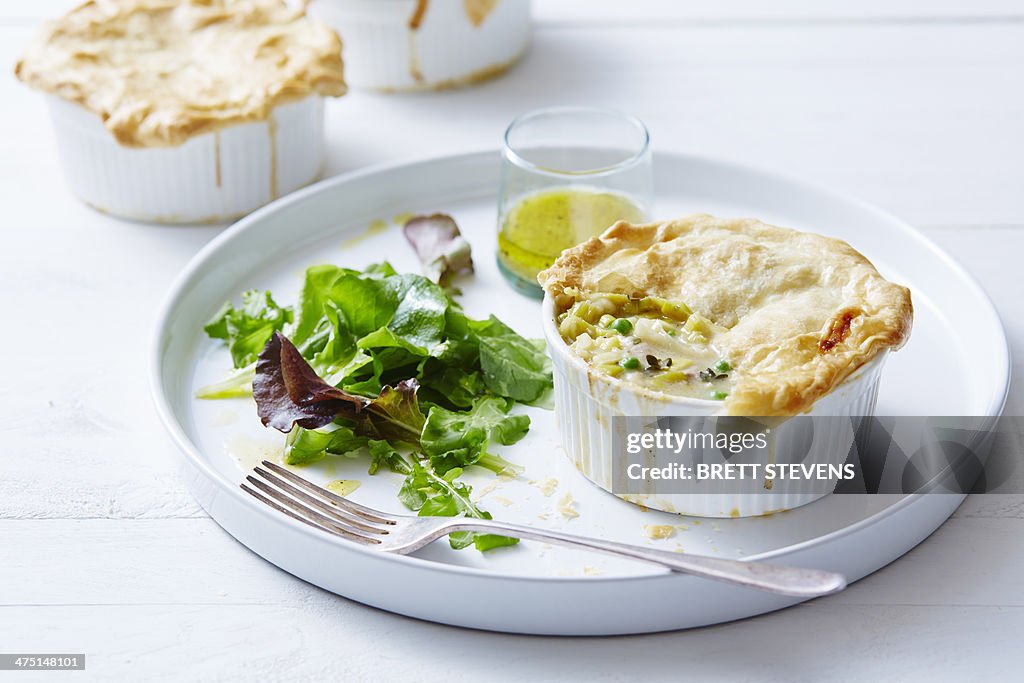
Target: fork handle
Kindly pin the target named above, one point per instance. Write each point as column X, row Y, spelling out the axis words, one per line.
column 793, row 581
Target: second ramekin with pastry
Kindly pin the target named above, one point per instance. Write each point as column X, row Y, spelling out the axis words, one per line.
column 409, row 45
column 186, row 112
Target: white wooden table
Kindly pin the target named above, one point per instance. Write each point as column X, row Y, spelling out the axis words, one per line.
column 916, row 106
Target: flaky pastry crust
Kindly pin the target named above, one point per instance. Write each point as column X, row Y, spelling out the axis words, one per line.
column 803, row 311
column 158, row 72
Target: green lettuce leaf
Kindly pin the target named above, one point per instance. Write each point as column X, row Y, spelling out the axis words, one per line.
column 513, row 366
column 430, row 494
column 339, row 344
column 459, row 439
column 303, row 446
column 409, row 305
column 367, row 302
column 451, row 386
column 383, row 453
column 248, row 328
column 419, row 319
column 238, row 384
column 395, row 414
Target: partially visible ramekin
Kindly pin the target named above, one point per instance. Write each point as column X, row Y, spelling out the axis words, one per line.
column 587, row 403
column 404, row 45
column 210, row 178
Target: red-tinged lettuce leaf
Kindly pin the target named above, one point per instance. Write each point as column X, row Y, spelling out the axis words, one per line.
column 441, row 248
column 288, row 392
column 395, row 415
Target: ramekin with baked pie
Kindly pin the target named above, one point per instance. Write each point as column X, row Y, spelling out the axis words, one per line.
column 707, row 316
column 414, row 45
column 191, row 111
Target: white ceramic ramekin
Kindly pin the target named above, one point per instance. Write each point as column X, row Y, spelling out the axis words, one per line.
column 587, row 403
column 447, row 48
column 210, row 178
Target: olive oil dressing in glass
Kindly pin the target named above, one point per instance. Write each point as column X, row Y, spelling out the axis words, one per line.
column 568, row 173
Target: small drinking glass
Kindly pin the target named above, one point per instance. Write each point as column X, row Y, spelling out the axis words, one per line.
column 568, row 173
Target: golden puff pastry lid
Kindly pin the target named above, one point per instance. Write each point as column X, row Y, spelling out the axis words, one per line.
column 802, row 311
column 159, row 72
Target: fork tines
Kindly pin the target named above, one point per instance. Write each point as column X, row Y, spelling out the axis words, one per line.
column 302, row 500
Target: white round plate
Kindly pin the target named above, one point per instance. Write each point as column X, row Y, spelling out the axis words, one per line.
column 532, row 588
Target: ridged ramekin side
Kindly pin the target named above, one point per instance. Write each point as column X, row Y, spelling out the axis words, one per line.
column 383, row 52
column 210, row 178
column 588, row 403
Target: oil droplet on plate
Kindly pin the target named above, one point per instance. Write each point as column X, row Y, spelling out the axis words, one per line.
column 249, row 452
column 375, row 227
column 343, row 487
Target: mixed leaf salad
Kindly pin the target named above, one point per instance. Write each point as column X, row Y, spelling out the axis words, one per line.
column 385, row 365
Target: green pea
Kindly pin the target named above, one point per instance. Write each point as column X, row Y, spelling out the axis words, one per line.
column 722, row 367
column 622, row 326
column 719, row 395
column 630, row 363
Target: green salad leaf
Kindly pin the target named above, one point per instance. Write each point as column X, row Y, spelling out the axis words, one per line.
column 395, row 414
column 388, row 365
column 383, row 453
column 434, row 495
column 367, row 301
column 304, row 446
column 237, row 384
column 450, row 384
column 513, row 366
column 248, row 328
column 419, row 319
column 335, row 344
column 459, row 439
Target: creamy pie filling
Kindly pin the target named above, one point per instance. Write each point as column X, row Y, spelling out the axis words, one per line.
column 652, row 342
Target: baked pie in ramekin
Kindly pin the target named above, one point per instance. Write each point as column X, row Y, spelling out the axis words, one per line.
column 704, row 316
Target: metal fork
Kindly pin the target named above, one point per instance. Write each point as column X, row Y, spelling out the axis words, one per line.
column 303, row 500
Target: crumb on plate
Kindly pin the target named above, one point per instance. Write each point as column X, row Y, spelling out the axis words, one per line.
column 659, row 531
column 567, row 506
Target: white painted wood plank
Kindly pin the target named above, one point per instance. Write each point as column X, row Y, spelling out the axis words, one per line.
column 971, row 561
column 127, row 562
column 335, row 640
column 994, row 505
column 81, row 435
